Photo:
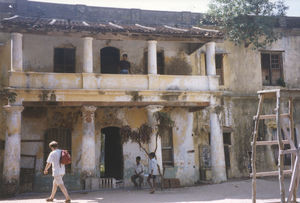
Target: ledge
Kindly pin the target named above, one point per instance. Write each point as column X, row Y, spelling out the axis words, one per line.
column 49, row 81
column 78, row 97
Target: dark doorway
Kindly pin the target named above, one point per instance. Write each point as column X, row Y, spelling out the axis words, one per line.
column 110, row 58
column 113, row 153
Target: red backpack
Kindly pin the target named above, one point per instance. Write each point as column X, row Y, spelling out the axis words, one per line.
column 65, row 157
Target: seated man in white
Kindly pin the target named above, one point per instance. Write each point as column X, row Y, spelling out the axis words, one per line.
column 138, row 173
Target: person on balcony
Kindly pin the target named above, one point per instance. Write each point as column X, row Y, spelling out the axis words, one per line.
column 124, row 65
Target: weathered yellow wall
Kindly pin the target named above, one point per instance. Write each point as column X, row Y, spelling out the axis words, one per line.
column 38, row 52
column 5, row 59
column 4, row 67
column 118, row 117
column 242, row 72
column 35, row 122
column 185, row 168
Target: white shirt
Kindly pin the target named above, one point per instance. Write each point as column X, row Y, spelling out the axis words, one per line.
column 153, row 166
column 139, row 168
column 54, row 158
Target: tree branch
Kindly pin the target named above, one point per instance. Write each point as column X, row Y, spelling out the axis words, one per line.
column 156, row 138
column 141, row 146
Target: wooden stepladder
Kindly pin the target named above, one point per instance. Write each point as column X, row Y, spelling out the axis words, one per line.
column 289, row 138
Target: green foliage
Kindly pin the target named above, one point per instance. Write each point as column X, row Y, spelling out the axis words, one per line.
column 6, row 94
column 163, row 118
column 281, row 82
column 247, row 22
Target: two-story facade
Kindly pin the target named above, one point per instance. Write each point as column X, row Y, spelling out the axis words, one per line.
column 62, row 63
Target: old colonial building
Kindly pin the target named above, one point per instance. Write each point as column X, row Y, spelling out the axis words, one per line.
column 62, row 61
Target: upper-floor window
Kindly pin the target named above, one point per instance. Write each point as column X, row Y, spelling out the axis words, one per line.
column 160, row 62
column 64, row 60
column 110, row 60
column 220, row 68
column 271, row 67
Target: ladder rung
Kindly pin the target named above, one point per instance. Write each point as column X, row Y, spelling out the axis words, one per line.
column 273, row 142
column 271, row 116
column 271, row 173
column 288, row 151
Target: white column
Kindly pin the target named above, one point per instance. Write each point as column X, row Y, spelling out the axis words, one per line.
column 88, row 55
column 153, row 123
column 88, row 154
column 216, row 144
column 17, row 53
column 12, row 152
column 152, row 57
column 210, row 58
column 216, row 134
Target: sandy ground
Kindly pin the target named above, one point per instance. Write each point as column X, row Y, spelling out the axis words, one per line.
column 233, row 191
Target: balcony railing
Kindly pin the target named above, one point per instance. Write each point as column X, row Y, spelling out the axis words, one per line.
column 39, row 80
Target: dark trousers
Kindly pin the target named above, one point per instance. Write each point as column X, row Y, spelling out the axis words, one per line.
column 141, row 179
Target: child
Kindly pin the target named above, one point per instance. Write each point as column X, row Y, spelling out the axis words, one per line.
column 153, row 171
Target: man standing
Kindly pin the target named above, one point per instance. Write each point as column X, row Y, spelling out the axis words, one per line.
column 124, row 65
column 153, row 171
column 58, row 171
column 138, row 173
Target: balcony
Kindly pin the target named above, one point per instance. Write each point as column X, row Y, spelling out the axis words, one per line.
column 92, row 81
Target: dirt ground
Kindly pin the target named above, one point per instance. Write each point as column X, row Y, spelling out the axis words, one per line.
column 238, row 191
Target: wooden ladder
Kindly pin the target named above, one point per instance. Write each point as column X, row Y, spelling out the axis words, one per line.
column 290, row 136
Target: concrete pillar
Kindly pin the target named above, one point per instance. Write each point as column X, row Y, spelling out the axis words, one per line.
column 17, row 52
column 12, row 152
column 216, row 144
column 153, row 123
column 216, row 134
column 88, row 153
column 152, row 57
column 88, row 55
column 210, row 58
column 183, row 147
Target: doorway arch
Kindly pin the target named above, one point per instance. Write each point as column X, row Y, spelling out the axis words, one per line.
column 110, row 59
column 112, row 154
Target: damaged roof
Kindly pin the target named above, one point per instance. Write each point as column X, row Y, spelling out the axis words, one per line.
column 29, row 16
column 51, row 24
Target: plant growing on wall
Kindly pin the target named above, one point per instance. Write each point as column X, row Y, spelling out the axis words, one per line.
column 247, row 22
column 163, row 118
column 142, row 135
column 6, row 94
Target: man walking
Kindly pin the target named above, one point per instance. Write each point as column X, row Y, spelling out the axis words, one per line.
column 58, row 171
column 138, row 173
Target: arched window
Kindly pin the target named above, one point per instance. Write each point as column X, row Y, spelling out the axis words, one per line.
column 110, row 59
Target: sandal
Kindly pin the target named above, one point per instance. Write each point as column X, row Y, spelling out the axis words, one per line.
column 67, row 201
column 49, row 200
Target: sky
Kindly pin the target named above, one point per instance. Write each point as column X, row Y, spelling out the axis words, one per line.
column 164, row 5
